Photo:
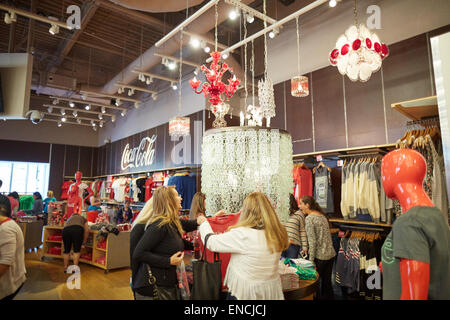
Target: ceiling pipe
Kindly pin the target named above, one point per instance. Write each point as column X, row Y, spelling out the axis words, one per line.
column 205, row 22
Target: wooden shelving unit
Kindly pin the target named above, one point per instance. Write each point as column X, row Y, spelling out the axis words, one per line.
column 418, row 109
column 117, row 252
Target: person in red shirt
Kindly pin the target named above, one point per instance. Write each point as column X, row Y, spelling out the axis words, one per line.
column 14, row 200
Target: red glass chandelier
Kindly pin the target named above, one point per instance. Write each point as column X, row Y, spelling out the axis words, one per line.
column 215, row 88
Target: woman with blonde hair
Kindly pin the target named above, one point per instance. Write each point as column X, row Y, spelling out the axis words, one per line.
column 161, row 245
column 255, row 244
column 198, row 205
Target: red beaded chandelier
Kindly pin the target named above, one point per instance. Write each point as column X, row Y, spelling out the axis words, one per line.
column 215, row 88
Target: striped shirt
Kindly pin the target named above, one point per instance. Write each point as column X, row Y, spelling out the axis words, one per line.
column 295, row 227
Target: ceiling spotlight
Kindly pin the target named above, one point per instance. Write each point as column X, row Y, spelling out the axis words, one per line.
column 207, row 49
column 117, row 103
column 100, row 116
column 273, row 33
column 196, row 71
column 154, row 96
column 75, row 113
column 195, row 43
column 141, row 77
column 130, row 92
column 149, row 80
column 224, row 56
column 54, row 29
column 136, row 105
column 174, row 86
column 59, row 123
column 103, row 110
column 50, row 109
column 63, row 119
column 113, row 118
column 332, row 3
column 71, row 104
column 63, row 112
column 83, row 96
column 88, row 107
column 79, row 121
column 10, row 17
column 123, row 113
column 172, row 65
column 250, row 18
column 55, row 101
column 94, row 128
column 233, row 14
column 101, row 124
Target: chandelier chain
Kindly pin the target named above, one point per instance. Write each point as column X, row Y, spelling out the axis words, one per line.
column 252, row 67
column 265, row 42
column 215, row 29
column 245, row 67
column 355, row 13
column 298, row 45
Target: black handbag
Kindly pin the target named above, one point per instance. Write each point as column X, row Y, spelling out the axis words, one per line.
column 207, row 276
column 144, row 282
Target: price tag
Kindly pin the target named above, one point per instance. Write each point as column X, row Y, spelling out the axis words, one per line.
column 340, row 163
column 319, row 158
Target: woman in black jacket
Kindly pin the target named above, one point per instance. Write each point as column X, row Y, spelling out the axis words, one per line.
column 161, row 246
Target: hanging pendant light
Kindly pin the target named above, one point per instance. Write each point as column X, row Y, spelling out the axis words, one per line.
column 299, row 84
column 358, row 52
column 179, row 126
column 214, row 87
column 265, row 86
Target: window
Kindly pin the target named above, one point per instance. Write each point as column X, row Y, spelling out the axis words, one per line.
column 24, row 177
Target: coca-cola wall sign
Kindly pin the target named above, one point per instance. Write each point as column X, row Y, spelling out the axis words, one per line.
column 140, row 156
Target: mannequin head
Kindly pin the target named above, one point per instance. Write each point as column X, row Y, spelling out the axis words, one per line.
column 403, row 172
column 78, row 175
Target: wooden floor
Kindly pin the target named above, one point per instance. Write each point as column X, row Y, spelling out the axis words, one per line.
column 46, row 280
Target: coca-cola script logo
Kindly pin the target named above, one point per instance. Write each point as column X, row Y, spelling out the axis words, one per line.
column 141, row 156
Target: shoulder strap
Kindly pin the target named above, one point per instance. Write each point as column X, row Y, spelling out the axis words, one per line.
column 216, row 255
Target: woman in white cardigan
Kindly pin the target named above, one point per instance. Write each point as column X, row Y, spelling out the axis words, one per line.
column 255, row 244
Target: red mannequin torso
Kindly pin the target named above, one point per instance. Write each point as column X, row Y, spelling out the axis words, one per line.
column 403, row 172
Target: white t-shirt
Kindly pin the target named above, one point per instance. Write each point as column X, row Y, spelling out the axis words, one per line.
column 12, row 253
column 119, row 189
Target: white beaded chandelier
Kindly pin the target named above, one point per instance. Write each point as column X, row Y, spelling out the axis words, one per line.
column 239, row 160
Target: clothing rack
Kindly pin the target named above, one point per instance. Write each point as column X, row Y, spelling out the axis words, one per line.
column 361, row 228
column 425, row 121
column 357, row 223
column 146, row 172
column 381, row 152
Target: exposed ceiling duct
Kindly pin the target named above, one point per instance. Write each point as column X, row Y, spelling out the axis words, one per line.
column 157, row 5
column 148, row 60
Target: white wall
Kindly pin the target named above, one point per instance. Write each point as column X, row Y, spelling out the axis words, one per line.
column 153, row 113
column 48, row 132
column 320, row 28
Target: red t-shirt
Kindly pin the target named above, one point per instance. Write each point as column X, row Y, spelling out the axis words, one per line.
column 303, row 179
column 219, row 225
column 148, row 189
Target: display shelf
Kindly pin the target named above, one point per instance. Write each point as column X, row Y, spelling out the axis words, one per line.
column 360, row 222
column 53, row 241
column 346, row 151
column 418, row 109
column 117, row 253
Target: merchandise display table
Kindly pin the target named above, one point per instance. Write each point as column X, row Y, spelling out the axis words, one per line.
column 305, row 291
column 113, row 254
column 32, row 233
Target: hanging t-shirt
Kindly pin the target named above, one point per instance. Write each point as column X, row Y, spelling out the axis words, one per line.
column 303, row 182
column 148, row 188
column 186, row 185
column 323, row 191
column 119, row 186
column 420, row 234
column 219, row 225
column 140, row 182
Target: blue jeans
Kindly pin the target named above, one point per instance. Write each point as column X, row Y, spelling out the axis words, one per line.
column 292, row 252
